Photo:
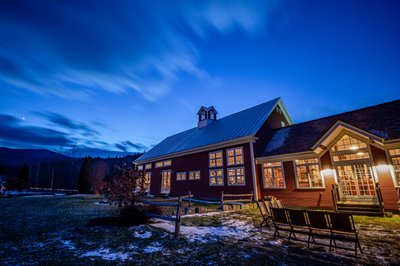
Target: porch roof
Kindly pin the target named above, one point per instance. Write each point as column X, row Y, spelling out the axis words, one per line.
column 382, row 120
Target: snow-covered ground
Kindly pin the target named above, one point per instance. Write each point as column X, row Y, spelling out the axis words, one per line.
column 230, row 228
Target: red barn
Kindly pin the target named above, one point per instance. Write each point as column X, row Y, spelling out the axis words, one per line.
column 350, row 161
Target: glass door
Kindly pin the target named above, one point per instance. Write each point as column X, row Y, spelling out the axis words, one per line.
column 356, row 181
column 166, row 182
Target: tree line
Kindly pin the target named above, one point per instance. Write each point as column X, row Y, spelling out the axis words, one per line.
column 87, row 175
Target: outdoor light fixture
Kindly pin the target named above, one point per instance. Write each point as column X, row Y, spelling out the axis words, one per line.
column 382, row 167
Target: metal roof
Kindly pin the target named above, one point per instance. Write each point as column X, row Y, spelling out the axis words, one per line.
column 234, row 126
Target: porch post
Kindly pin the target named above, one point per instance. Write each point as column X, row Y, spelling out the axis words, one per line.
column 253, row 171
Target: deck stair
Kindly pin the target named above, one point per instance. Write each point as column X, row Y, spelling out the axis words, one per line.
column 359, row 208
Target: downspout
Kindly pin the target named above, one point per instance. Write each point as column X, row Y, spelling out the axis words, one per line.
column 253, row 171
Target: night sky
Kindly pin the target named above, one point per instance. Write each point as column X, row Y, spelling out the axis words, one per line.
column 123, row 75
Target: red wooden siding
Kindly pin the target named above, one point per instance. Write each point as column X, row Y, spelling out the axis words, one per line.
column 310, row 197
column 201, row 188
column 385, row 179
column 291, row 196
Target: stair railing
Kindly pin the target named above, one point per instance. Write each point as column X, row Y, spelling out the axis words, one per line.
column 335, row 196
column 380, row 198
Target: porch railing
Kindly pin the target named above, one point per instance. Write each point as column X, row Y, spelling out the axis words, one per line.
column 380, row 198
column 335, row 196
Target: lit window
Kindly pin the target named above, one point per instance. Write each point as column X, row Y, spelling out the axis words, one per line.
column 147, row 166
column 163, row 163
column 140, row 167
column 215, row 159
column 273, row 175
column 194, row 175
column 216, row 177
column 147, row 180
column 395, row 156
column 308, row 174
column 236, row 176
column 181, row 176
column 235, row 156
column 348, row 143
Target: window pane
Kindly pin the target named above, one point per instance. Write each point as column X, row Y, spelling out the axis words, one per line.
column 302, row 176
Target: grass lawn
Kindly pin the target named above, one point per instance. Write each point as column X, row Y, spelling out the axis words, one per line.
column 52, row 230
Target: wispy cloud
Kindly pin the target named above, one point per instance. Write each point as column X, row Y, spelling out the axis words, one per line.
column 128, row 145
column 14, row 133
column 67, row 123
column 78, row 49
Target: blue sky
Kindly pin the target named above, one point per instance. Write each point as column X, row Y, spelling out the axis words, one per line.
column 123, row 75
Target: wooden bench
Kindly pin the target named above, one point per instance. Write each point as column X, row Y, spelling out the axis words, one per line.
column 316, row 224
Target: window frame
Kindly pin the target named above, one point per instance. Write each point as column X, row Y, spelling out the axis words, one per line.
column 164, row 163
column 272, row 167
column 147, row 166
column 194, row 175
column 235, row 168
column 182, row 179
column 215, row 159
column 216, row 177
column 234, row 156
column 140, row 167
column 307, row 167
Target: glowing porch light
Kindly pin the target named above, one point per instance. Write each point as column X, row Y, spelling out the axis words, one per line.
column 382, row 168
column 327, row 172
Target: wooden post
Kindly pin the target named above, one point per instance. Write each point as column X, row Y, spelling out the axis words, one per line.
column 178, row 217
column 319, row 199
column 222, row 200
column 190, row 199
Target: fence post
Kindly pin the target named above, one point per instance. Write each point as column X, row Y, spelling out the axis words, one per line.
column 222, row 200
column 178, row 217
column 190, row 199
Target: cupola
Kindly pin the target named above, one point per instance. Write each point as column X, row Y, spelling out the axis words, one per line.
column 206, row 115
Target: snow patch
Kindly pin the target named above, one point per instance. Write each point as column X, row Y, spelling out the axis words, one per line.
column 379, row 133
column 231, row 228
column 105, row 254
column 278, row 139
column 156, row 247
column 67, row 243
column 142, row 234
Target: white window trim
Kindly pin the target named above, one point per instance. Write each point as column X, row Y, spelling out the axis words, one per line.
column 244, row 176
column 222, row 158
column 209, row 177
column 320, row 173
column 283, row 175
column 194, row 175
column 181, row 179
column 227, row 156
